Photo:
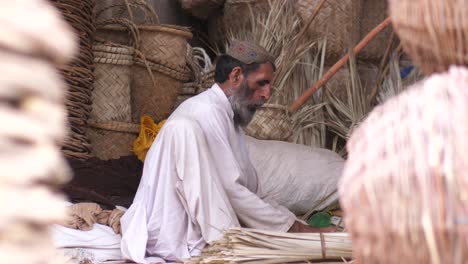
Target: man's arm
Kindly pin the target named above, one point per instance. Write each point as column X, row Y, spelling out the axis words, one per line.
column 251, row 210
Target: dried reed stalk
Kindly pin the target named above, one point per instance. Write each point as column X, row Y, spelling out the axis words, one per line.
column 308, row 125
column 242, row 245
column 393, row 84
column 342, row 117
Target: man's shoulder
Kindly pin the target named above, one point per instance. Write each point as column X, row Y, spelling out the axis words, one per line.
column 202, row 105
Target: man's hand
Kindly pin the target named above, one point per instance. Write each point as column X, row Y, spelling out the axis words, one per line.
column 298, row 227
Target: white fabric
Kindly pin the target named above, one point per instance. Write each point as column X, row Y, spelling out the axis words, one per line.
column 296, row 176
column 197, row 181
column 99, row 244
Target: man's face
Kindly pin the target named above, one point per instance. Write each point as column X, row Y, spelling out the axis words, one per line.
column 252, row 92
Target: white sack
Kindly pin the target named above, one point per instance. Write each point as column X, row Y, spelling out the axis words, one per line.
column 296, row 176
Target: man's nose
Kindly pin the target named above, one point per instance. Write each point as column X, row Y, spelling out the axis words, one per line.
column 265, row 92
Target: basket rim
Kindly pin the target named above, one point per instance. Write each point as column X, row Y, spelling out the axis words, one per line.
column 275, row 106
column 115, row 126
column 166, row 28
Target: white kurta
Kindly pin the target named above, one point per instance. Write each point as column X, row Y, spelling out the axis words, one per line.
column 197, row 181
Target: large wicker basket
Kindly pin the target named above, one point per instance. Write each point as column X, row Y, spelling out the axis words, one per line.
column 434, row 33
column 160, row 71
column 271, row 122
column 373, row 12
column 166, row 43
column 110, row 130
column 338, row 20
column 111, row 139
column 234, row 19
column 404, row 185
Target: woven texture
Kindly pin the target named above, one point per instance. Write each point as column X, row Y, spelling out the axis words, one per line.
column 338, row 20
column 111, row 95
column 165, row 43
column 404, row 183
column 203, row 73
column 154, row 99
column 373, row 12
column 159, row 73
column 79, row 74
column 271, row 122
column 236, row 16
column 111, row 113
column 434, row 33
column 109, row 144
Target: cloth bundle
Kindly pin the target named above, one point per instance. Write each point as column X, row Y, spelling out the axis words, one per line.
column 83, row 216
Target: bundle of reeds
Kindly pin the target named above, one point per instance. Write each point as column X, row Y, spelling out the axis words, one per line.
column 342, row 116
column 242, row 245
column 404, row 185
column 308, row 126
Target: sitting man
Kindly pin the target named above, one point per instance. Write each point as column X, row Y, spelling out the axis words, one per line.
column 197, row 178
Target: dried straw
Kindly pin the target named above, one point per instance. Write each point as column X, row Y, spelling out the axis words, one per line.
column 393, row 84
column 308, row 126
column 342, row 117
column 251, row 246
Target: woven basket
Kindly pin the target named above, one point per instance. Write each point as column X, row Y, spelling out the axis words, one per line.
column 373, row 12
column 112, row 140
column 111, row 95
column 404, row 185
column 162, row 50
column 434, row 33
column 165, row 52
column 154, row 99
column 236, row 18
column 79, row 75
column 110, row 130
column 271, row 122
column 338, row 20
column 165, row 43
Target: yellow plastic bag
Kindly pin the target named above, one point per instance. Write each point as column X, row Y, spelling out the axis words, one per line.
column 148, row 132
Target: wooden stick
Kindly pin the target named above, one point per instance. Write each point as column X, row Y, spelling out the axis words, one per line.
column 333, row 70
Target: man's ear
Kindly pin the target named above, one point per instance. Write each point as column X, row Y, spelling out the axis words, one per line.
column 236, row 77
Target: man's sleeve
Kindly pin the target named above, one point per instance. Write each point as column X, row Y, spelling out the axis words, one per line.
column 251, row 210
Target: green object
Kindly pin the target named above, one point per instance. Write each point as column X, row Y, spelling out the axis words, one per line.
column 320, row 219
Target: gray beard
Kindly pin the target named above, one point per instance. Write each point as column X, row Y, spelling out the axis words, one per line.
column 244, row 110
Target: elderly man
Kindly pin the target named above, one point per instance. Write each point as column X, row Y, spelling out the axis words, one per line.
column 197, row 179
